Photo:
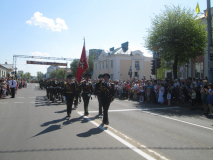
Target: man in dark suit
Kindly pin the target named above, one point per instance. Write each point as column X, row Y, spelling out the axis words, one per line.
column 107, row 96
column 69, row 94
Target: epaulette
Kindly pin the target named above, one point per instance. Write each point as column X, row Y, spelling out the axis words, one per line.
column 112, row 83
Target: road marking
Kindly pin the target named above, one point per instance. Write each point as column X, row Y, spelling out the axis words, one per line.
column 197, row 125
column 19, row 102
column 140, row 152
column 126, row 110
column 32, row 102
column 20, row 97
column 32, row 97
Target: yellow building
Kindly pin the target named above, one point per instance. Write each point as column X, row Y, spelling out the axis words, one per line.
column 120, row 65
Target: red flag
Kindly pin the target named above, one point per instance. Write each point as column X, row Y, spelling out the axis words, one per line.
column 83, row 64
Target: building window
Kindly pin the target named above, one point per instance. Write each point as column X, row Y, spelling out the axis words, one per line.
column 96, row 66
column 198, row 70
column 137, row 65
column 103, row 65
column 106, row 64
column 111, row 63
column 99, row 65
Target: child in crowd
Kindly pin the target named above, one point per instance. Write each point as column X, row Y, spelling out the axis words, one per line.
column 169, row 98
column 193, row 98
column 141, row 94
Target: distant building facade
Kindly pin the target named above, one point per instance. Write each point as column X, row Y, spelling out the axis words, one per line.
column 121, row 64
column 50, row 69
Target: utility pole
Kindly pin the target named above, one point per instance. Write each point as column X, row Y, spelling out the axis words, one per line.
column 209, row 23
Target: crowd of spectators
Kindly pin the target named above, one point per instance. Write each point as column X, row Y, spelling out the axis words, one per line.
column 6, row 86
column 197, row 92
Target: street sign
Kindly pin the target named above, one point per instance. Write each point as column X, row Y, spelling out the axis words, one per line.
column 12, row 73
column 155, row 55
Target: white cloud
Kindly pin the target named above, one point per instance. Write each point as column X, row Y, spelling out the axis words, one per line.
column 39, row 20
column 39, row 54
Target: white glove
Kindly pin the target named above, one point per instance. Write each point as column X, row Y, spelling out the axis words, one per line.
column 64, row 97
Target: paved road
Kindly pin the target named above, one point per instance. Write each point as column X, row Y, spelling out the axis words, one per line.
column 32, row 128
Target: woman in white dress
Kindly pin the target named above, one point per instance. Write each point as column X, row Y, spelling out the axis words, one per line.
column 161, row 93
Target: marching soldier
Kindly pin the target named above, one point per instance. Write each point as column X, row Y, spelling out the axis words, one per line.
column 61, row 90
column 98, row 93
column 69, row 94
column 51, row 83
column 107, row 96
column 87, row 90
column 77, row 93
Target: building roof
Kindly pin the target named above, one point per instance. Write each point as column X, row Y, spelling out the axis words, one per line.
column 3, row 67
column 8, row 66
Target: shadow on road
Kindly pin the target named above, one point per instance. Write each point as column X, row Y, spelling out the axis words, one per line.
column 91, row 132
column 55, row 127
column 53, row 122
column 48, row 130
column 61, row 111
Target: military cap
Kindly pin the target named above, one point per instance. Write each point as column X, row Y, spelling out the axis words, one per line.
column 69, row 76
column 100, row 76
column 106, row 74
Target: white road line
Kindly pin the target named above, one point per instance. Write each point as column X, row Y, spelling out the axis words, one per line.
column 126, row 110
column 19, row 102
column 32, row 97
column 141, row 153
column 197, row 125
column 20, row 97
column 32, row 102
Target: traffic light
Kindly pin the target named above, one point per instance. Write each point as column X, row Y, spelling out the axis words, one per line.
column 153, row 67
column 158, row 63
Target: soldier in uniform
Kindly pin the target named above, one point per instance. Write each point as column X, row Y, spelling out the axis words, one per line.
column 98, row 93
column 86, row 88
column 69, row 94
column 77, row 93
column 107, row 96
column 61, row 90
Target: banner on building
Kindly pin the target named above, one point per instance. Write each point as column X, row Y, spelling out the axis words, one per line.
column 47, row 63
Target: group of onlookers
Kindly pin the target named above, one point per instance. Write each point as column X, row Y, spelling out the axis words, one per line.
column 196, row 91
column 9, row 86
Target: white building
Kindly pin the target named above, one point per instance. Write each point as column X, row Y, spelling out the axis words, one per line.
column 120, row 64
column 50, row 69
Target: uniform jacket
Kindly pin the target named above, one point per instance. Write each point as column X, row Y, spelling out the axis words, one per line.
column 69, row 92
column 86, row 89
column 107, row 91
column 97, row 87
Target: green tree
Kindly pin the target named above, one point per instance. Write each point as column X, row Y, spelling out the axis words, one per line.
column 40, row 75
column 61, row 73
column 74, row 66
column 178, row 35
column 53, row 74
column 27, row 75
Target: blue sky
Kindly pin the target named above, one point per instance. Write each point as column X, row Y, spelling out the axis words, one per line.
column 56, row 28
